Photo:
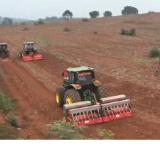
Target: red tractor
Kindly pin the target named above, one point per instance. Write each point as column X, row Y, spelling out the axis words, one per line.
column 30, row 53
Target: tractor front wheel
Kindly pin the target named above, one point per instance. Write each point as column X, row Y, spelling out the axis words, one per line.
column 101, row 92
column 60, row 96
column 72, row 96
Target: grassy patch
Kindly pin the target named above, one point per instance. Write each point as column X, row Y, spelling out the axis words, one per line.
column 43, row 40
column 79, row 28
column 105, row 134
column 140, row 61
column 54, row 52
column 12, row 120
column 6, row 103
column 6, row 132
column 20, row 138
column 155, row 52
column 66, row 131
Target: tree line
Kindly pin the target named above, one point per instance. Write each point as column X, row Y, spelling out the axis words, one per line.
column 94, row 14
column 68, row 15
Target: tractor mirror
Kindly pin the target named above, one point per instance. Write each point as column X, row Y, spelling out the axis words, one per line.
column 62, row 74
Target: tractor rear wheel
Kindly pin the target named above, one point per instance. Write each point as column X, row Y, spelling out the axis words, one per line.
column 72, row 96
column 60, row 96
column 101, row 92
column 4, row 54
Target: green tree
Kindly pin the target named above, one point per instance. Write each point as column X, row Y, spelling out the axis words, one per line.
column 67, row 14
column 7, row 21
column 129, row 10
column 94, row 14
column 107, row 14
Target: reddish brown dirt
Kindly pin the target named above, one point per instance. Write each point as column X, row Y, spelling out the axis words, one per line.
column 121, row 63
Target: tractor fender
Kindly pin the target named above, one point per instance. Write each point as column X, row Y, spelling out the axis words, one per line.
column 76, row 86
column 97, row 83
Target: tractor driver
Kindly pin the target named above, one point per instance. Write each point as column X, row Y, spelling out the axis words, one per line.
column 27, row 48
column 65, row 75
column 30, row 46
column 2, row 47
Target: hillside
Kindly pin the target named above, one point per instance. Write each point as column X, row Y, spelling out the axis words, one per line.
column 17, row 20
column 122, row 63
column 47, row 19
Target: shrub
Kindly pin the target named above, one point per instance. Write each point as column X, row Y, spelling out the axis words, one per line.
column 155, row 52
column 39, row 23
column 6, row 103
column 126, row 32
column 132, row 32
column 23, row 23
column 67, row 131
column 12, row 120
column 105, row 134
column 123, row 31
column 151, row 12
column 25, row 29
column 85, row 19
column 20, row 138
column 67, row 29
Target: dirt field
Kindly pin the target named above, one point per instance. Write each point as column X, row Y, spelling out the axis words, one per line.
column 122, row 63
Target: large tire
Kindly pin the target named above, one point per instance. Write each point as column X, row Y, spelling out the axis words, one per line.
column 73, row 95
column 60, row 96
column 4, row 54
column 101, row 92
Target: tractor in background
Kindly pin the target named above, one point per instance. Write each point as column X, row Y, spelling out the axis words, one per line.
column 4, row 52
column 29, row 52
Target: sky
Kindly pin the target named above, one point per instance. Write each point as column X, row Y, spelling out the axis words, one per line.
column 35, row 9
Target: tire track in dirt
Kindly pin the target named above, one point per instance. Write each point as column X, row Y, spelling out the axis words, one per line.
column 35, row 101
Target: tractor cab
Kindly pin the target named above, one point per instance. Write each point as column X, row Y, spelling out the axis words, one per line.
column 79, row 75
column 3, row 46
column 29, row 46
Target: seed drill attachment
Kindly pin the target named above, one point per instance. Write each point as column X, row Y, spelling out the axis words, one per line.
column 110, row 108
